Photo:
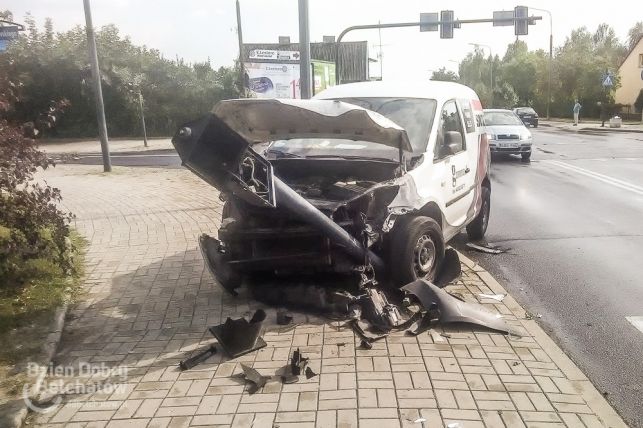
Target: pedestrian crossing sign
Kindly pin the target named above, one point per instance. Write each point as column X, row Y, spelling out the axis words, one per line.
column 607, row 81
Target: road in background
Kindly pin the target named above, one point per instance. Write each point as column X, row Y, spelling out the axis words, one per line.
column 573, row 219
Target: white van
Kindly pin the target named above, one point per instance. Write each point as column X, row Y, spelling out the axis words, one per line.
column 371, row 174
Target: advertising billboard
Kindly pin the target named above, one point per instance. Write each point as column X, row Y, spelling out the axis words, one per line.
column 268, row 80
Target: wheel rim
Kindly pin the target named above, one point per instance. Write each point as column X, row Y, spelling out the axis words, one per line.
column 424, row 256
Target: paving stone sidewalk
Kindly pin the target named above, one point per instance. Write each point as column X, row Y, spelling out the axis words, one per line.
column 149, row 301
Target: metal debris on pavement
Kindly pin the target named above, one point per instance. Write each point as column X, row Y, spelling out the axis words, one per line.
column 486, row 249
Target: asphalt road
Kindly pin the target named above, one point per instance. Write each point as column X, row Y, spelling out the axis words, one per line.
column 573, row 219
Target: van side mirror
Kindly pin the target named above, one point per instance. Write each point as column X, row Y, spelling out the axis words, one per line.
column 452, row 143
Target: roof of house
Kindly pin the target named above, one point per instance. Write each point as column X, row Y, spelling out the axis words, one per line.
column 630, row 52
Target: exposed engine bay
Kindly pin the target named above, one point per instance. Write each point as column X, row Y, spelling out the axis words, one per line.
column 289, row 216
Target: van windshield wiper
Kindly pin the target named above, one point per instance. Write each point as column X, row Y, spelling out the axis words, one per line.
column 280, row 154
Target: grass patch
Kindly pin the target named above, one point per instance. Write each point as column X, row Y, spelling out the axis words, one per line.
column 24, row 313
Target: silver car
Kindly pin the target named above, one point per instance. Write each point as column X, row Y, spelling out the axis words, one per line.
column 507, row 133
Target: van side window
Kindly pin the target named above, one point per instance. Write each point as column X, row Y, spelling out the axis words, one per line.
column 449, row 122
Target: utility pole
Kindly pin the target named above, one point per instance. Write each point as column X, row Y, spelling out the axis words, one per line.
column 98, row 92
column 379, row 32
column 140, row 104
column 304, row 51
column 242, row 82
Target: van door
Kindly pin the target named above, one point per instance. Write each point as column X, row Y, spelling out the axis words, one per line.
column 453, row 163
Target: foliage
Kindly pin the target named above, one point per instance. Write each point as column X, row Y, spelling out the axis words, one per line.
column 634, row 35
column 578, row 66
column 444, row 75
column 33, row 230
column 53, row 66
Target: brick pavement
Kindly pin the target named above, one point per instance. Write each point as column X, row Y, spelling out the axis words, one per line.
column 149, row 300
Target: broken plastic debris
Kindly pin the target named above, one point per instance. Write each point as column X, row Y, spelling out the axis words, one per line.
column 452, row 309
column 485, row 249
column 257, row 381
column 454, row 425
column 419, row 420
column 498, row 297
column 310, row 373
column 238, row 337
column 450, row 268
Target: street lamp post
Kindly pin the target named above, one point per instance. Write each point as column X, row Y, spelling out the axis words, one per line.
column 140, row 105
column 98, row 92
column 551, row 49
column 477, row 45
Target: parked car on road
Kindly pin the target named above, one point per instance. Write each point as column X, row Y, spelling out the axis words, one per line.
column 528, row 116
column 507, row 133
column 372, row 173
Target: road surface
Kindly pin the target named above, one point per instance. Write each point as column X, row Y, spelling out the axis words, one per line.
column 573, row 219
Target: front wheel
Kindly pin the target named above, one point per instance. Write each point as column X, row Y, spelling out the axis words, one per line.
column 478, row 227
column 416, row 251
column 526, row 157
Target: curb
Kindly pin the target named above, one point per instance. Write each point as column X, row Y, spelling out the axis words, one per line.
column 17, row 411
column 594, row 399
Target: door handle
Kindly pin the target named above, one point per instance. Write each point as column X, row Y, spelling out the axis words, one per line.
column 467, row 170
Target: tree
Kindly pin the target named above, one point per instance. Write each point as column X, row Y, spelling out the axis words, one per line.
column 634, row 35
column 54, row 66
column 444, row 75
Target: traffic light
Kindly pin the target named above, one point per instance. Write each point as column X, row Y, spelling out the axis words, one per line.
column 521, row 26
column 446, row 27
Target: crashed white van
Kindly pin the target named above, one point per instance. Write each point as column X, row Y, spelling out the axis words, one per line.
column 367, row 177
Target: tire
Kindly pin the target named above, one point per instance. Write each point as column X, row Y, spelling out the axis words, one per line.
column 526, row 157
column 217, row 263
column 535, row 125
column 478, row 227
column 416, row 250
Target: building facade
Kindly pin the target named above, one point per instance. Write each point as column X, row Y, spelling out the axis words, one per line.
column 631, row 73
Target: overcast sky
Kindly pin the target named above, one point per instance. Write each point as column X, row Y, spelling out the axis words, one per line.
column 198, row 29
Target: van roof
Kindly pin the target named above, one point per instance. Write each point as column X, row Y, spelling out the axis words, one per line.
column 440, row 91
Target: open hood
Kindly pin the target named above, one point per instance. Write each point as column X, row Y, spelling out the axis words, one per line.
column 264, row 120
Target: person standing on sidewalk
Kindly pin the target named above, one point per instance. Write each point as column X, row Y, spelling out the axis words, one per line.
column 577, row 108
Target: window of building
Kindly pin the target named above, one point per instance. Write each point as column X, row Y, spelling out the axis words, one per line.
column 641, row 60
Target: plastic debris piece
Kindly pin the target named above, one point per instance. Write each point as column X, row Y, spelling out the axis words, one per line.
column 198, row 358
column 239, row 337
column 450, row 269
column 257, row 381
column 453, row 310
column 498, row 297
column 310, row 373
column 419, row 420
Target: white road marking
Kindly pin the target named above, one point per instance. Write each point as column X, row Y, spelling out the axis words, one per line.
column 601, row 177
column 636, row 322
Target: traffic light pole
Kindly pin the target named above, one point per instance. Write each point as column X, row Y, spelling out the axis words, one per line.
column 456, row 23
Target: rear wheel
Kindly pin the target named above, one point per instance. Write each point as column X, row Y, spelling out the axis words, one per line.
column 416, row 251
column 478, row 227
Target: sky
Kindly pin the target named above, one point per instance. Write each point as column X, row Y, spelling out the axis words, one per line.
column 197, row 29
